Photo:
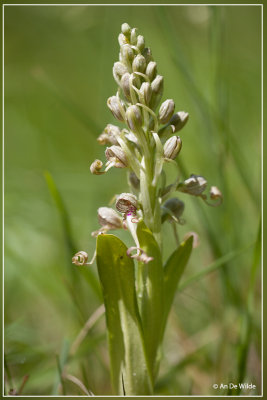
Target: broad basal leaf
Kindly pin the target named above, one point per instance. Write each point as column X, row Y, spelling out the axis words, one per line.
column 173, row 272
column 129, row 368
column 150, row 292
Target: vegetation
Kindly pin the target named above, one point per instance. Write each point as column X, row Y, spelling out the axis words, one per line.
column 57, row 73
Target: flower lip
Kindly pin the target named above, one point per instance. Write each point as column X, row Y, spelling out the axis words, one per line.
column 140, row 255
column 80, row 258
column 96, row 166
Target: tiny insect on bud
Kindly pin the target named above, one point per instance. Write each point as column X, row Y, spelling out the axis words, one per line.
column 195, row 185
column 126, row 203
column 116, row 155
column 145, row 93
column 80, row 258
column 157, row 90
column 172, row 209
column 126, row 29
column 96, row 166
column 147, row 54
column 108, row 218
column 115, row 107
column 140, row 42
column 119, row 69
column 127, row 54
column 109, row 135
column 151, row 70
column 139, row 63
column 133, row 36
column 179, row 120
column 172, row 147
column 134, row 118
column 166, row 111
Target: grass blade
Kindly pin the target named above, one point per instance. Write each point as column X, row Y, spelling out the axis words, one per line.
column 212, row 267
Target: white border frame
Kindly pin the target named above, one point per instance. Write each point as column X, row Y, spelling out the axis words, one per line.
column 3, row 185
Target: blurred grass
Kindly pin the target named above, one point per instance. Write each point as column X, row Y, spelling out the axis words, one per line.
column 58, row 75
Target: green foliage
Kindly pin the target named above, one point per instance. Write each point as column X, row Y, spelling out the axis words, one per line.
column 129, row 368
column 56, row 77
column 150, row 292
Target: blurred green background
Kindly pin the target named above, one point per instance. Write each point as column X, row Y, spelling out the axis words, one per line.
column 58, row 75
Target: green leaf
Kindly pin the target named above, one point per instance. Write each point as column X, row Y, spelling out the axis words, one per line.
column 173, row 271
column 150, row 292
column 129, row 368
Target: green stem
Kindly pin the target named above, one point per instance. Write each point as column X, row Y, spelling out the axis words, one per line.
column 150, row 203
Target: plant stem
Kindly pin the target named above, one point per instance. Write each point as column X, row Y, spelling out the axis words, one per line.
column 148, row 192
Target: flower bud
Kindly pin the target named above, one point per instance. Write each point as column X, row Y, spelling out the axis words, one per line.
column 172, row 209
column 172, row 147
column 127, row 54
column 147, row 54
column 96, row 167
column 80, row 258
column 122, row 39
column 140, row 42
column 125, row 85
column 116, row 155
column 195, row 185
column 109, row 135
column 145, row 93
column 139, row 63
column 134, row 118
column 151, row 70
column 166, row 110
column 179, row 120
column 133, row 36
column 126, row 29
column 126, row 203
column 115, row 107
column 157, row 90
column 109, row 218
column 119, row 69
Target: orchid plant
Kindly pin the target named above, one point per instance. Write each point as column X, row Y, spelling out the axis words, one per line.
column 138, row 298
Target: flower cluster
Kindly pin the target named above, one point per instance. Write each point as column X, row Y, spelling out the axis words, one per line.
column 147, row 141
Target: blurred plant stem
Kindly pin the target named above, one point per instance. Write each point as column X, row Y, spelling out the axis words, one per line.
column 73, row 281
